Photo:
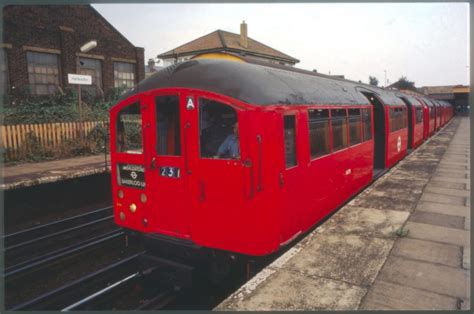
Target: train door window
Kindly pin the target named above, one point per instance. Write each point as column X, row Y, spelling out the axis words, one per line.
column 290, row 141
column 392, row 114
column 129, row 130
column 404, row 120
column 419, row 114
column 218, row 130
column 366, row 125
column 339, row 129
column 354, row 126
column 318, row 124
column 167, row 125
column 397, row 119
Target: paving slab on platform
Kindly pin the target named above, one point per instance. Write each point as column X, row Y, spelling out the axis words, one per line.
column 428, row 251
column 440, row 279
column 402, row 244
column 439, row 234
column 391, row 296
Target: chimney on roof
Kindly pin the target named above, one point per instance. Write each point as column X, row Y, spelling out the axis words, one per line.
column 243, row 35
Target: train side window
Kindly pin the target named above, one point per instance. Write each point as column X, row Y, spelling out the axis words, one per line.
column 354, row 126
column 167, row 125
column 290, row 141
column 366, row 125
column 318, row 124
column 339, row 129
column 218, row 130
column 129, row 130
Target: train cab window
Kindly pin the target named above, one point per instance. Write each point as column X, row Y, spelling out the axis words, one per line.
column 339, row 128
column 290, row 141
column 366, row 125
column 168, row 126
column 318, row 123
column 218, row 130
column 129, row 130
column 354, row 126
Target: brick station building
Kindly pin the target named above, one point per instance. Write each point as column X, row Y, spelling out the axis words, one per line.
column 42, row 45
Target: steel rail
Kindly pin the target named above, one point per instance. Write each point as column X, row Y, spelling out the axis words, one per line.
column 55, row 234
column 75, row 283
column 62, row 221
column 100, row 292
column 61, row 253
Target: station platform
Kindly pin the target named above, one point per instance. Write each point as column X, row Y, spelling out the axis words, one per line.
column 401, row 244
column 30, row 174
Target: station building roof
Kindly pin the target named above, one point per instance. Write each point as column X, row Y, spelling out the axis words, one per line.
column 220, row 41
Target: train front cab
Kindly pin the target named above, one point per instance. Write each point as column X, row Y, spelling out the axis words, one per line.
column 168, row 180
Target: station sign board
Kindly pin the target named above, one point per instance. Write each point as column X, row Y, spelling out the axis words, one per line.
column 79, row 79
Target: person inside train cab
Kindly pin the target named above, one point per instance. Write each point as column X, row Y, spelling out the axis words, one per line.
column 230, row 147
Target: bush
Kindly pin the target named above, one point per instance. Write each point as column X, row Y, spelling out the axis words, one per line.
column 24, row 109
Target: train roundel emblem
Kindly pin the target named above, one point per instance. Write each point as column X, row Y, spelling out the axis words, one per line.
column 399, row 143
column 134, row 175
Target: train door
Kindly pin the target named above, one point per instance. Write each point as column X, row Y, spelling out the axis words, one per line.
column 220, row 173
column 379, row 132
column 131, row 209
column 411, row 121
column 165, row 164
column 292, row 178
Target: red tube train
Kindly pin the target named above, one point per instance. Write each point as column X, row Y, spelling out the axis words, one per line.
column 242, row 158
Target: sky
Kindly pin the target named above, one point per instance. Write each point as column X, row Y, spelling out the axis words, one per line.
column 426, row 42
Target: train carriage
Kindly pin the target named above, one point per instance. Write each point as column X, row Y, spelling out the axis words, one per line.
column 243, row 158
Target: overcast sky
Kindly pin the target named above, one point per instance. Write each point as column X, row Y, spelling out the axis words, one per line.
column 427, row 43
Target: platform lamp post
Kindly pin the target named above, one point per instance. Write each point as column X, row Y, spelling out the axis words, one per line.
column 84, row 48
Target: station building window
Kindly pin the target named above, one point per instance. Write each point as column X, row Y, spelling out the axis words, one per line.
column 43, row 72
column 168, row 125
column 218, row 130
column 366, row 124
column 92, row 67
column 290, row 140
column 339, row 128
column 124, row 74
column 354, row 126
column 319, row 139
column 129, row 130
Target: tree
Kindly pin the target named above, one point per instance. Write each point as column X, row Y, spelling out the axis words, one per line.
column 373, row 81
column 404, row 83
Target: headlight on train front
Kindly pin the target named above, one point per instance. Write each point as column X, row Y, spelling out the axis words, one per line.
column 120, row 194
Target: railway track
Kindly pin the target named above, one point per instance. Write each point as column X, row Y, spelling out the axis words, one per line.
column 38, row 246
column 143, row 282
